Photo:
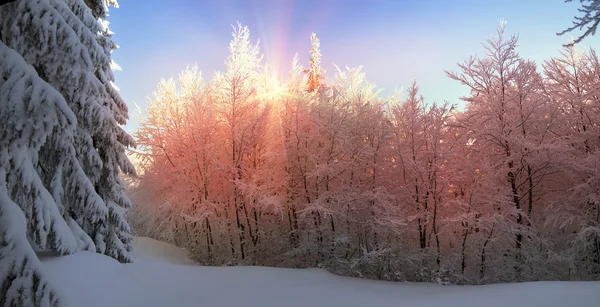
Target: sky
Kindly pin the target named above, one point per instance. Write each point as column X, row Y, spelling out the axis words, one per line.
column 396, row 41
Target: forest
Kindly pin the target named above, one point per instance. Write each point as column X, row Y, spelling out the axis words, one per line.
column 313, row 169
column 247, row 169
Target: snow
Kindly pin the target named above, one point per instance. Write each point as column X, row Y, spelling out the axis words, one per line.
column 164, row 276
column 146, row 249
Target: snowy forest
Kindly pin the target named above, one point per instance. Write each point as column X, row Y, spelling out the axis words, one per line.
column 244, row 168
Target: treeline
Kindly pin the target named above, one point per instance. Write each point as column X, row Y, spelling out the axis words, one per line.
column 243, row 170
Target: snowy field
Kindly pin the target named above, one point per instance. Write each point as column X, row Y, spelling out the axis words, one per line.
column 164, row 276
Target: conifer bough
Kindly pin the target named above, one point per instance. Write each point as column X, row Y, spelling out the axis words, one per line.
column 3, row 2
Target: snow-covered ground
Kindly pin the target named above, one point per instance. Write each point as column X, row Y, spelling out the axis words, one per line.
column 164, row 276
column 146, row 249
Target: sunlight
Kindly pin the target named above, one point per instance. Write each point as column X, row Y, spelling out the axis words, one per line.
column 487, row 174
column 274, row 89
column 277, row 89
column 274, row 29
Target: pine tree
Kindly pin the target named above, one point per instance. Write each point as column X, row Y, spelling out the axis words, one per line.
column 315, row 72
column 62, row 146
column 28, row 211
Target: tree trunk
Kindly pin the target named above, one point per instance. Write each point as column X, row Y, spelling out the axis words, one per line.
column 462, row 250
column 209, row 239
column 483, row 255
column 230, row 232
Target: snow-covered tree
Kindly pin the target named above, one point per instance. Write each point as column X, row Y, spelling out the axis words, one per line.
column 590, row 19
column 31, row 218
column 63, row 148
column 237, row 92
column 510, row 118
column 572, row 82
column 314, row 71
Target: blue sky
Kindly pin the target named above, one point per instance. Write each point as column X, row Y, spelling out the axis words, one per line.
column 396, row 41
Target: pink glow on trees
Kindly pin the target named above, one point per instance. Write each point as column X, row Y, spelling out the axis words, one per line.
column 244, row 170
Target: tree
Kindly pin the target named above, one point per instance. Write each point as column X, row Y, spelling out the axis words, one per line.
column 314, row 70
column 113, row 239
column 421, row 148
column 509, row 117
column 62, row 147
column 590, row 19
column 571, row 81
column 176, row 142
column 410, row 126
column 243, row 114
column 27, row 207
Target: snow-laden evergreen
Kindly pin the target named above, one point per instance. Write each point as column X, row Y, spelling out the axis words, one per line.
column 31, row 111
column 62, row 147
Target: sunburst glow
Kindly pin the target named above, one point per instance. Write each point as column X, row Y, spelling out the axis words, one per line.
column 257, row 156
